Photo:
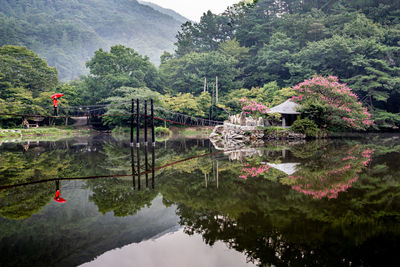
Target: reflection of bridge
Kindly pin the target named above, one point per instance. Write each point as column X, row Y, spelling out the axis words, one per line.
column 138, row 170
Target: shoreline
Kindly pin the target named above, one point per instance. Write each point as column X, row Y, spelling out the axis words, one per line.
column 22, row 134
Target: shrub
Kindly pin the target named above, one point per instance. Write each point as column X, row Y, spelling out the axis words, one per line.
column 162, row 131
column 305, row 126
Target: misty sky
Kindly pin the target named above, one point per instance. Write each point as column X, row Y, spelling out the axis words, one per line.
column 194, row 9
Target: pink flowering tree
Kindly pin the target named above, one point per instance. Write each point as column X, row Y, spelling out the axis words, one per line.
column 331, row 104
column 250, row 106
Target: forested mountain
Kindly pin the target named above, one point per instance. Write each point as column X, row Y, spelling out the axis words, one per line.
column 166, row 11
column 66, row 33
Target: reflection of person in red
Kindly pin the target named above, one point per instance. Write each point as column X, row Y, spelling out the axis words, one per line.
column 58, row 197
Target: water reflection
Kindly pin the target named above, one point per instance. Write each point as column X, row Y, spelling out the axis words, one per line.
column 331, row 202
column 324, row 175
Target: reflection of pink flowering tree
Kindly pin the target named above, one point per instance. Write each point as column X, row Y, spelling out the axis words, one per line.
column 338, row 105
column 250, row 171
column 337, row 177
column 250, row 106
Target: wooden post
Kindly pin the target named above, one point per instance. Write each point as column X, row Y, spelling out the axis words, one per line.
column 153, row 137
column 145, row 123
column 146, row 163
column 138, row 166
column 132, row 119
column 153, row 163
column 217, row 175
column 137, row 123
column 216, row 90
column 133, row 166
column 210, row 116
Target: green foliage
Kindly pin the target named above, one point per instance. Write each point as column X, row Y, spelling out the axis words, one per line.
column 22, row 68
column 120, row 114
column 120, row 67
column 270, row 93
column 188, row 104
column 162, row 131
column 354, row 40
column 26, row 83
column 305, row 126
column 186, row 74
column 277, row 131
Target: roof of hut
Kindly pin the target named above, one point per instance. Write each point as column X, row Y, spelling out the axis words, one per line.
column 287, row 107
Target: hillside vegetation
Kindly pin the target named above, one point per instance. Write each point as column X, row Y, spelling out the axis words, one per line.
column 66, row 33
column 260, row 51
column 288, row 41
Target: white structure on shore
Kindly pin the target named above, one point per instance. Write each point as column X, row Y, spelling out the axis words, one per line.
column 288, row 110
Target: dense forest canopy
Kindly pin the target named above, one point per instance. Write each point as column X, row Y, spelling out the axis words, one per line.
column 289, row 41
column 66, row 33
column 257, row 49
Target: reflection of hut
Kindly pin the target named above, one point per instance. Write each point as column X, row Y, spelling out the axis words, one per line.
column 288, row 168
column 288, row 111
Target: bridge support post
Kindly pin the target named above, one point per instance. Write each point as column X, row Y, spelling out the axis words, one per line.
column 138, row 167
column 146, row 163
column 137, row 123
column 145, row 123
column 153, row 138
column 153, row 162
column 133, row 166
column 132, row 119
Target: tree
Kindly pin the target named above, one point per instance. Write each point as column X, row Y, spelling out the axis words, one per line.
column 122, row 66
column 272, row 60
column 25, row 79
column 186, row 74
column 331, row 104
column 120, row 104
column 188, row 104
column 20, row 67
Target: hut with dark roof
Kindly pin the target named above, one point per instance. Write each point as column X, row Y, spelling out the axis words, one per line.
column 288, row 111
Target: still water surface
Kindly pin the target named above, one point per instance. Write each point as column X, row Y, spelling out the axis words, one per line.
column 332, row 202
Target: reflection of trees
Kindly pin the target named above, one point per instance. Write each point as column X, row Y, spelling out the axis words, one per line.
column 118, row 195
column 19, row 167
column 23, row 202
column 326, row 169
column 272, row 224
column 337, row 170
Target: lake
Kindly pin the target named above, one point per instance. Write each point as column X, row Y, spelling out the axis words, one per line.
column 75, row 202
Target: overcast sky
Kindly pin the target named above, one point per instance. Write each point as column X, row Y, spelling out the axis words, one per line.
column 194, row 9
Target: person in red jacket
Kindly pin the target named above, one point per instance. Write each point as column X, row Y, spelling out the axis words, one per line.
column 55, row 103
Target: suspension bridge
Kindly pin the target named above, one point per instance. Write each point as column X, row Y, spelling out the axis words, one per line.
column 131, row 113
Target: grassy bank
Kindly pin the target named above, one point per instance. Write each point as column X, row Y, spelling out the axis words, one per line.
column 193, row 132
column 42, row 131
column 188, row 132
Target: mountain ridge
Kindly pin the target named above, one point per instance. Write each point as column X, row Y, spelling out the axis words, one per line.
column 166, row 11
